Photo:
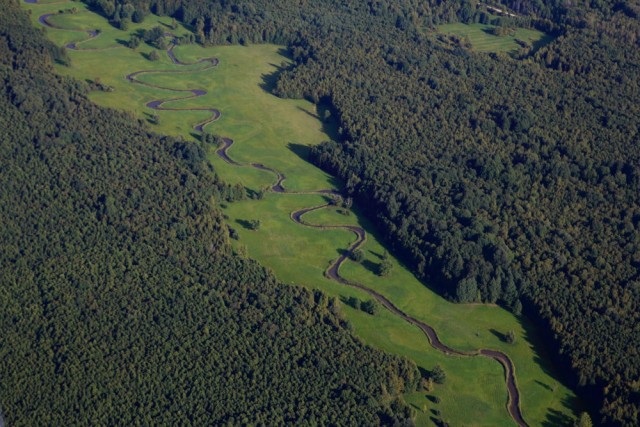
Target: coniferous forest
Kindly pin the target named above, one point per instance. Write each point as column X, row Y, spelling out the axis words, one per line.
column 121, row 301
column 508, row 178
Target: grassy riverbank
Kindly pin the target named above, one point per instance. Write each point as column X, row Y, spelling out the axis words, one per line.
column 277, row 133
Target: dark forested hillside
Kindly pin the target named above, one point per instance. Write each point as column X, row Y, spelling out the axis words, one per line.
column 505, row 181
column 120, row 300
column 500, row 178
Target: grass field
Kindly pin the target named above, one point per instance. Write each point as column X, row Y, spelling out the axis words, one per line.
column 483, row 41
column 278, row 133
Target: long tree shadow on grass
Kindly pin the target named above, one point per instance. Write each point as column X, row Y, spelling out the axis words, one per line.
column 370, row 266
column 431, row 398
column 543, row 385
column 269, row 80
column 367, row 265
column 438, row 422
column 302, row 151
column 146, row 55
column 309, row 113
column 543, row 355
column 502, row 337
column 417, row 408
column 244, row 223
column 342, row 251
column 557, row 419
column 329, row 125
column 542, row 42
column 139, row 33
column 424, row 373
column 573, row 404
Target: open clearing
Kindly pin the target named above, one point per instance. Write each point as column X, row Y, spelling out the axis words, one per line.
column 277, row 133
column 481, row 39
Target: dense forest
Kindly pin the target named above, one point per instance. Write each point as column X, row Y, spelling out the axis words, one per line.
column 121, row 301
column 498, row 178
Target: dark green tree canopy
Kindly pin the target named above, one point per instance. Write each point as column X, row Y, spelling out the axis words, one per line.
column 120, row 300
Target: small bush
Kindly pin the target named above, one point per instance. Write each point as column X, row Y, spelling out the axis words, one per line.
column 438, row 375
column 356, row 255
column 353, row 302
column 370, row 306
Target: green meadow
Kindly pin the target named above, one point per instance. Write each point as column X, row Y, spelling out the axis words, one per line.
column 278, row 133
column 482, row 40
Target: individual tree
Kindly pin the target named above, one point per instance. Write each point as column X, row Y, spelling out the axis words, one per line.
column 510, row 337
column 233, row 233
column 116, row 20
column 467, row 290
column 126, row 11
column 427, row 384
column 384, row 268
column 153, row 55
column 356, row 255
column 370, row 306
column 438, row 375
column 200, row 30
column 353, row 302
column 107, row 7
column 134, row 42
column 517, row 308
column 155, row 37
column 138, row 16
column 161, row 43
column 584, row 420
